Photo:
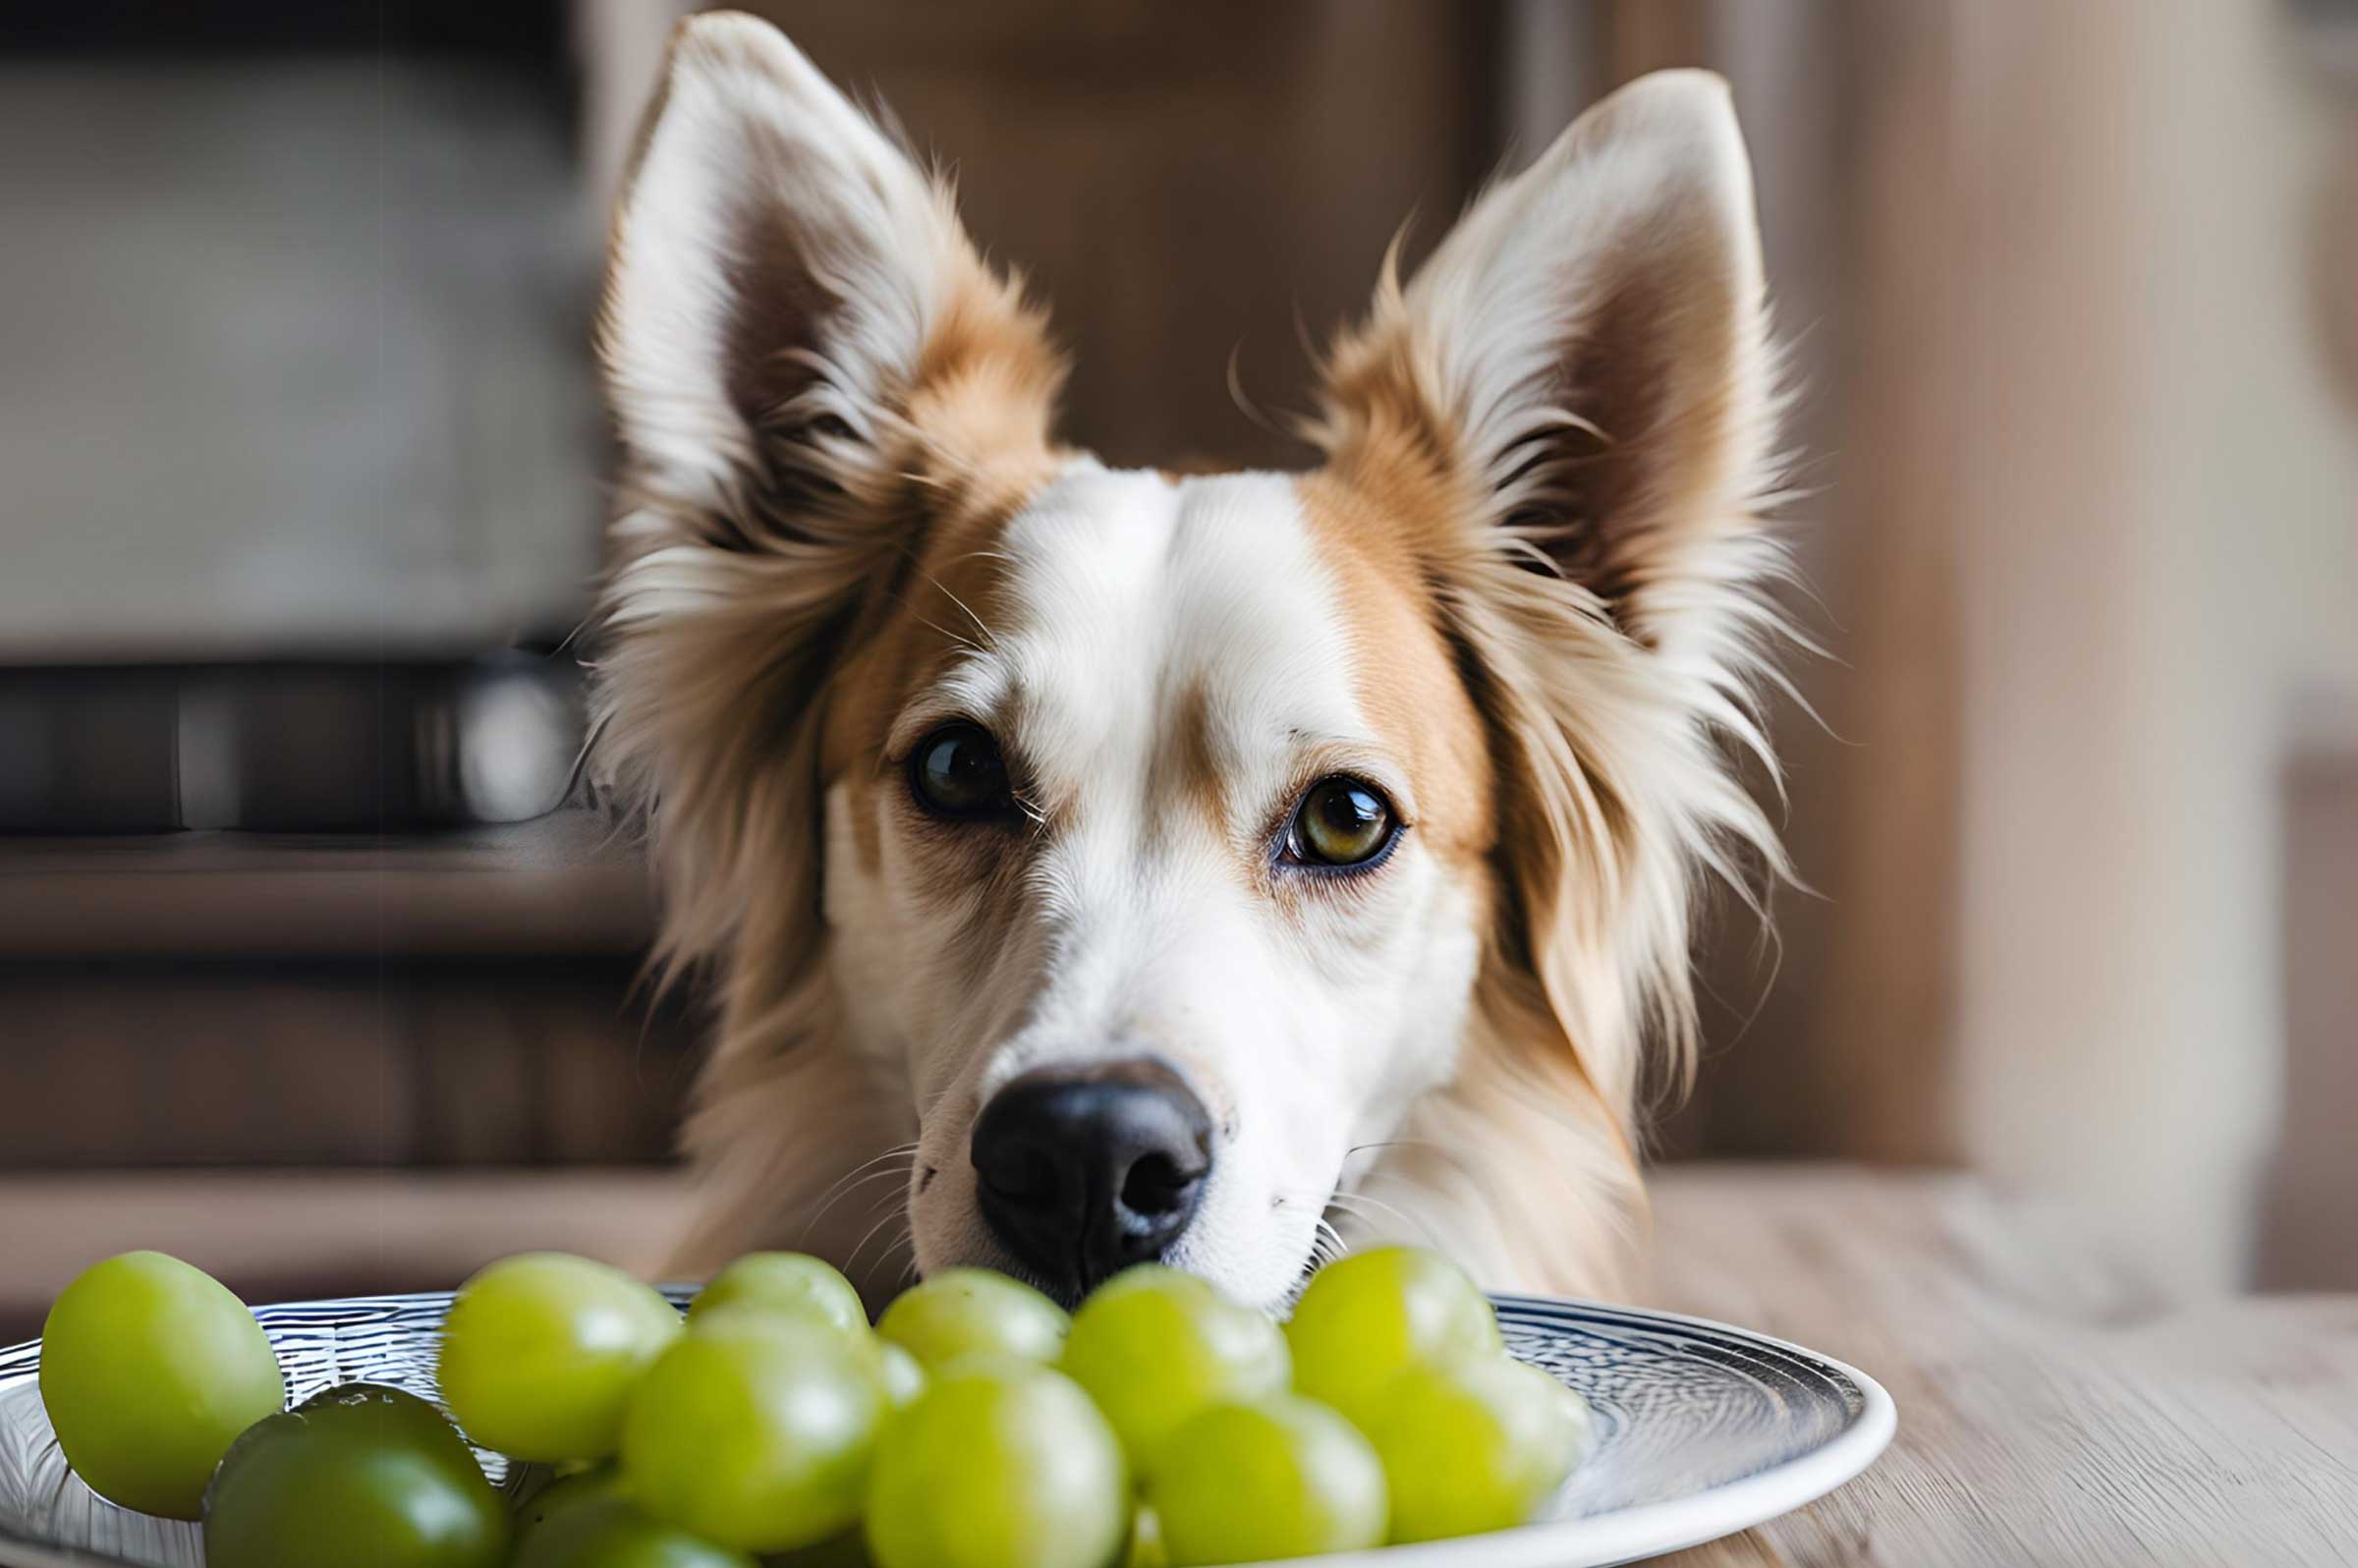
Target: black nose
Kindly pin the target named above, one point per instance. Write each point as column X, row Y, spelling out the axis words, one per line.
column 1084, row 1171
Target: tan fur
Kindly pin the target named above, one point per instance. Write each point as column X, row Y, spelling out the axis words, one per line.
column 1188, row 759
column 1404, row 670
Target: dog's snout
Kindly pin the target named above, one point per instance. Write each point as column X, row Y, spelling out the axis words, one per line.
column 1083, row 1171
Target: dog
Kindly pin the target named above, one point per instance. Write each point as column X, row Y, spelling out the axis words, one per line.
column 1092, row 866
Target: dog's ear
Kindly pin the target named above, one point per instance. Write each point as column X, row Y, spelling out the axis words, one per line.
column 1570, row 412
column 794, row 317
column 808, row 365
column 1584, row 362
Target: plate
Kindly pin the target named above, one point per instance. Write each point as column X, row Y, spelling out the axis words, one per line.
column 1702, row 1430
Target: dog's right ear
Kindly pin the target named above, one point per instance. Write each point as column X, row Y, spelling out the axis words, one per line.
column 808, row 366
column 794, row 320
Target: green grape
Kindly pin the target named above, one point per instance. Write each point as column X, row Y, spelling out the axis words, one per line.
column 1001, row 1463
column 754, row 1430
column 613, row 1532
column 1475, row 1443
column 964, row 1311
column 1153, row 1346
column 1368, row 1316
column 792, row 1280
column 150, row 1369
column 541, row 1351
column 1281, row 1476
column 903, row 1375
column 562, row 1495
column 358, row 1477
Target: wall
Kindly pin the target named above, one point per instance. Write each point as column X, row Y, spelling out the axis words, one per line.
column 2156, row 494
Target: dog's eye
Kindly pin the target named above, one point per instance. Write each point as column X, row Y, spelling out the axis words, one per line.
column 1341, row 822
column 957, row 771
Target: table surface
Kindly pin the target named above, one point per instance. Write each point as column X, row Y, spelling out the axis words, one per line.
column 2054, row 1410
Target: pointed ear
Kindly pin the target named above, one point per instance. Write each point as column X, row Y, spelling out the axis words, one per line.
column 808, row 368
column 1568, row 416
column 794, row 316
column 1584, row 362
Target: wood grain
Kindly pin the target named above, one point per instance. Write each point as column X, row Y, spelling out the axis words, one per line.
column 2054, row 1408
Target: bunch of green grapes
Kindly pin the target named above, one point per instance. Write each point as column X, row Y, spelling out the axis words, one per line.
column 975, row 1426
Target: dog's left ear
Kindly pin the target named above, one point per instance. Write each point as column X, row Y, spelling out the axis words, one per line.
column 1584, row 362
column 1568, row 418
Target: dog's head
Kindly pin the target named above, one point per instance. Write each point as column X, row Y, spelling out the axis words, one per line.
column 1142, row 846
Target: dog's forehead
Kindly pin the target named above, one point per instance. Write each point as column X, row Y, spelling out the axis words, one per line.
column 1135, row 600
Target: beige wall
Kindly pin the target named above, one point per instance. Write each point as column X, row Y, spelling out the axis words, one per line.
column 2154, row 525
column 2085, row 547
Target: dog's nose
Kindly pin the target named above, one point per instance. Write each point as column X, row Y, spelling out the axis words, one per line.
column 1084, row 1171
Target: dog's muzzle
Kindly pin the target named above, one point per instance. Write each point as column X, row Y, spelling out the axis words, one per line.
column 1083, row 1171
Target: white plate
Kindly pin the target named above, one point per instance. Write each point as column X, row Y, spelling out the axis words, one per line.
column 1702, row 1431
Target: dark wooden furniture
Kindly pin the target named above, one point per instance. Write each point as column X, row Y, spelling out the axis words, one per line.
column 213, row 999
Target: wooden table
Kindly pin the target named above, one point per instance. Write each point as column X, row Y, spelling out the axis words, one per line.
column 2052, row 1410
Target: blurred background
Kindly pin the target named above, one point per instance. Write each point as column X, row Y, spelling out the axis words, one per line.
column 309, row 971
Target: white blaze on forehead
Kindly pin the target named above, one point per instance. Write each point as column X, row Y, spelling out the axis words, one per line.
column 1130, row 591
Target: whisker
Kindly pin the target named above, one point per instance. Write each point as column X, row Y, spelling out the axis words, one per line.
column 958, row 639
column 851, row 1259
column 1326, row 1244
column 846, row 1183
column 1349, row 1204
column 989, row 635
column 1444, row 1150
column 896, row 1151
column 870, row 1180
